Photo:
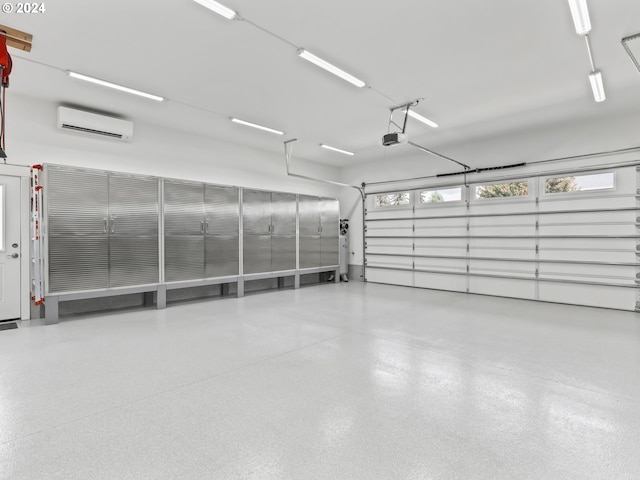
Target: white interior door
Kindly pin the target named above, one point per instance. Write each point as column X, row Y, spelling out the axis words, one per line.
column 10, row 248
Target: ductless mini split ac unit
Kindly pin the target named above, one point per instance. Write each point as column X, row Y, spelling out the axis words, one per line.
column 92, row 124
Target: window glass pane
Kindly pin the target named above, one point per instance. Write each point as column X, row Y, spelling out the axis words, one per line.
column 579, row 183
column 497, row 190
column 393, row 199
column 442, row 195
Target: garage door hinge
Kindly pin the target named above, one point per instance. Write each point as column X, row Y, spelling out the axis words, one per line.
column 467, row 227
column 537, row 249
column 537, row 273
column 467, row 268
column 537, row 225
column 467, row 248
column 637, row 306
column 537, row 201
column 413, row 228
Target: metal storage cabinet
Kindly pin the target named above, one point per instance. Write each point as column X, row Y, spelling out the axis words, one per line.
column 133, row 230
column 329, row 232
column 283, row 231
column 77, row 213
column 309, row 221
column 269, row 229
column 183, row 230
column 319, row 231
column 222, row 218
column 102, row 229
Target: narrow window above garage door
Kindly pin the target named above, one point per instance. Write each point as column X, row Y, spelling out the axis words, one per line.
column 502, row 190
column 398, row 199
column 580, row 183
column 429, row 197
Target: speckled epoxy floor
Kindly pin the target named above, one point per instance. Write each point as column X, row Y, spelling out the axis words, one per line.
column 337, row 381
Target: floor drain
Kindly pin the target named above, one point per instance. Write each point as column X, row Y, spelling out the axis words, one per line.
column 8, row 326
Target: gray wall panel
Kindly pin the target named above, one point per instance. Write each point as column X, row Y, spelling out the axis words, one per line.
column 184, row 257
column 78, row 263
column 257, row 253
column 221, row 255
column 283, row 252
column 133, row 260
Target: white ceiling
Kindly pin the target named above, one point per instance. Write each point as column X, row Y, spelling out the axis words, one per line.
column 483, row 67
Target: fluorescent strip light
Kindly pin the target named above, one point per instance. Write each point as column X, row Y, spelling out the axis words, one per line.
column 329, row 147
column 220, row 9
column 255, row 125
column 596, row 85
column 115, row 86
column 422, row 119
column 580, row 14
column 310, row 57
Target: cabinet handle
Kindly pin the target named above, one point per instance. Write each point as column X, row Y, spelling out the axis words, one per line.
column 201, row 227
column 104, row 225
column 206, row 227
column 113, row 225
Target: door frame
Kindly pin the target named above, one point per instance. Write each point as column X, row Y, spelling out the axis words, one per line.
column 24, row 173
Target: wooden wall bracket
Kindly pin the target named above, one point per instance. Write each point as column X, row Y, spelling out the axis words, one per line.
column 16, row 38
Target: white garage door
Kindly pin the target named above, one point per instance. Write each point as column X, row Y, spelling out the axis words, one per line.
column 566, row 237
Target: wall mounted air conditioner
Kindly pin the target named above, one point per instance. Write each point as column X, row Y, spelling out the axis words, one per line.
column 92, row 124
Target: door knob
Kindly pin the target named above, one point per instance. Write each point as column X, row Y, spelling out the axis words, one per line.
column 13, row 255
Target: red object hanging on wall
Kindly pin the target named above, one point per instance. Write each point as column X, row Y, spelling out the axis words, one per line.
column 5, row 61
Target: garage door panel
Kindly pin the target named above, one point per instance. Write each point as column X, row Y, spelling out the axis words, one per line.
column 587, row 255
column 441, row 264
column 390, row 277
column 388, row 261
column 591, row 273
column 590, row 295
column 453, row 283
column 595, row 244
column 501, row 267
column 501, row 287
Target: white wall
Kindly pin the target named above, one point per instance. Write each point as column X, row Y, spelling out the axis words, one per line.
column 32, row 137
column 546, row 142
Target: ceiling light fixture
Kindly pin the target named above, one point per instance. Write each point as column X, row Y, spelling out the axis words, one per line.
column 310, row 57
column 218, row 8
column 255, row 125
column 580, row 14
column 115, row 86
column 420, row 118
column 329, row 147
column 596, row 85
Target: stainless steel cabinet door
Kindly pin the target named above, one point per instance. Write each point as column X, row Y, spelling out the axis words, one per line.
column 222, row 210
column 329, row 236
column 183, row 257
column 133, row 260
column 310, row 251
column 133, row 205
column 183, row 208
column 329, row 217
column 257, row 253
column 256, row 212
column 329, row 251
column 283, row 252
column 309, row 214
column 77, row 201
column 79, row 262
column 283, row 214
column 221, row 255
